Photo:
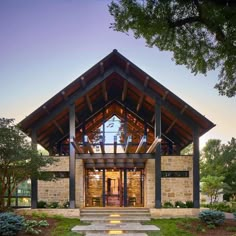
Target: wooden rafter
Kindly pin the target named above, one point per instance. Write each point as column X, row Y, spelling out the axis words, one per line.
column 141, row 98
column 154, row 144
column 54, row 121
column 87, row 98
column 101, row 141
column 88, row 144
column 104, row 91
column 142, row 142
column 78, row 149
column 101, row 68
column 174, row 121
column 63, row 93
column 124, row 92
column 128, row 144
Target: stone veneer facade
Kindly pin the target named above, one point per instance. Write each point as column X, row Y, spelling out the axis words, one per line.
column 173, row 189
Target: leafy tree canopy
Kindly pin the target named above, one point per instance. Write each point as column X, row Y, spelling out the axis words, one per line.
column 219, row 159
column 201, row 34
column 18, row 160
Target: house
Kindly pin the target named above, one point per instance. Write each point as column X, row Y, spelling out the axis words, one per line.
column 118, row 134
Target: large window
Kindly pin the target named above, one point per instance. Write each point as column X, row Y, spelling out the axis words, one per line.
column 22, row 195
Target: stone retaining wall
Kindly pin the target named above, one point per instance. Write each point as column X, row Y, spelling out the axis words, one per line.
column 174, row 212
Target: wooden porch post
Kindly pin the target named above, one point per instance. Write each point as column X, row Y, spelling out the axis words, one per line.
column 196, row 177
column 158, row 156
column 34, row 181
column 72, row 156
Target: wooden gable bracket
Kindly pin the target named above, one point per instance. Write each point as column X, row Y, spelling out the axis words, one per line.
column 142, row 143
column 88, row 145
column 141, row 98
column 154, row 144
column 63, row 93
column 128, row 144
column 54, row 121
column 87, row 99
column 174, row 121
column 101, row 67
column 101, row 141
column 77, row 148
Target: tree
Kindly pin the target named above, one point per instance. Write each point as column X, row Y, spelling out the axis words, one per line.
column 201, row 34
column 18, row 160
column 187, row 150
column 219, row 159
column 212, row 186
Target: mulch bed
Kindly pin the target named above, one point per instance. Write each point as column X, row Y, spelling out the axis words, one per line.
column 200, row 229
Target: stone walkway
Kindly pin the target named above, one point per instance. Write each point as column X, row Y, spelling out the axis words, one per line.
column 124, row 222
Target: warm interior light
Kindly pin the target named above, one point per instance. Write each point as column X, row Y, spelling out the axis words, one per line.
column 115, row 221
column 115, row 232
column 114, row 215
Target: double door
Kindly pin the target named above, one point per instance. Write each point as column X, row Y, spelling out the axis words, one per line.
column 114, row 188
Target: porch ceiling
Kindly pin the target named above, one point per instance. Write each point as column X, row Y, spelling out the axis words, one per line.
column 110, row 87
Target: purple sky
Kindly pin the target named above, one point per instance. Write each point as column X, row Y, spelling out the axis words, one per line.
column 46, row 44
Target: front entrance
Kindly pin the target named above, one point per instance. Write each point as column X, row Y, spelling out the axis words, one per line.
column 114, row 187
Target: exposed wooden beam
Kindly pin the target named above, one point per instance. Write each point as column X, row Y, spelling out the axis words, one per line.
column 77, row 148
column 88, row 144
column 174, row 121
column 128, row 144
column 142, row 142
column 154, row 144
column 101, row 141
column 140, row 102
column 104, row 91
column 89, row 102
column 54, row 121
column 118, row 156
column 124, row 92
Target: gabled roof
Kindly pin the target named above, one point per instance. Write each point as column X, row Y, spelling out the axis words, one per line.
column 115, row 82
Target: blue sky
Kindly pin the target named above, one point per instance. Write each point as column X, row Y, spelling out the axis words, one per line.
column 46, row 44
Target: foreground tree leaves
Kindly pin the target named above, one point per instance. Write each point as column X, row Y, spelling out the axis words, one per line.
column 201, row 34
column 18, row 160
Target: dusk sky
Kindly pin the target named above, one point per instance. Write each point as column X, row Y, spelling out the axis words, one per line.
column 46, row 44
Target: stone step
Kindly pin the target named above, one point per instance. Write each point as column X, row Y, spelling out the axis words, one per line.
column 120, row 228
column 121, row 218
column 115, row 213
column 125, row 234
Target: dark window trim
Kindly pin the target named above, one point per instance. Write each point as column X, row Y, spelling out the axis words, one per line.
column 174, row 174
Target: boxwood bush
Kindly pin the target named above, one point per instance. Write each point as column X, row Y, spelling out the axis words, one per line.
column 211, row 217
column 10, row 224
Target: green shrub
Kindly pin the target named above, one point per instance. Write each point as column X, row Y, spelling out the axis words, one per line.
column 10, row 224
column 41, row 204
column 168, row 205
column 32, row 226
column 53, row 205
column 222, row 206
column 180, row 204
column 189, row 204
column 211, row 217
column 66, row 204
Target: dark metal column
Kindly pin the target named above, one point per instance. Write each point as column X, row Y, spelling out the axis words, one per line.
column 103, row 187
column 34, row 181
column 196, row 177
column 158, row 156
column 125, row 187
column 72, row 156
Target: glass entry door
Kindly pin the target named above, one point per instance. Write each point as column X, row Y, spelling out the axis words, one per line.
column 114, row 188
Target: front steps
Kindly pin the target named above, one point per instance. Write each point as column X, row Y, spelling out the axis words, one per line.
column 114, row 214
column 113, row 221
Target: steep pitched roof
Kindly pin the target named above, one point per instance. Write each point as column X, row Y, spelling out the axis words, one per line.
column 115, row 82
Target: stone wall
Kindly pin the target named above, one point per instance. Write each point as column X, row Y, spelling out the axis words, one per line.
column 173, row 189
column 79, row 184
column 55, row 191
column 177, row 189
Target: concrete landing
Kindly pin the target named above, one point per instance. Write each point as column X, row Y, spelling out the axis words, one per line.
column 128, row 234
column 119, row 228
